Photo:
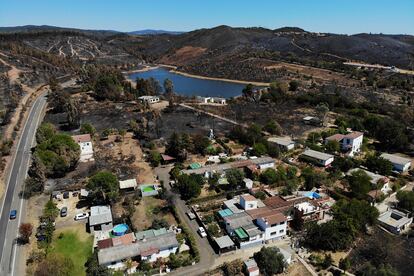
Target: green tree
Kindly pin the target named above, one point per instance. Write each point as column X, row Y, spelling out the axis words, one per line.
column 51, row 211
column 213, row 229
column 234, row 268
column 55, row 264
column 93, row 268
column 293, row 85
column 406, row 200
column 379, row 164
column 234, row 177
column 259, row 149
column 273, row 127
column 87, row 128
column 189, row 186
column 45, row 132
column 200, row 144
column 248, row 91
column 344, row 264
column 155, row 158
column 168, row 86
column 269, row 176
column 360, row 183
column 108, row 87
column 270, row 261
column 72, row 113
column 332, row 146
column 382, row 270
column 104, row 182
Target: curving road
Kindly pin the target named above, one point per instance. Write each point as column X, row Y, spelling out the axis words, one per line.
column 14, row 181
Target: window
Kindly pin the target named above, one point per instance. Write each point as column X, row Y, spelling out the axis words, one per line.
column 273, row 233
column 281, row 231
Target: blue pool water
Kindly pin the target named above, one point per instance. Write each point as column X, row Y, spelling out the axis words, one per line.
column 120, row 229
column 189, row 86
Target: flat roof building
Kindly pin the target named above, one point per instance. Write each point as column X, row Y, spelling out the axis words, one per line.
column 317, row 157
column 400, row 164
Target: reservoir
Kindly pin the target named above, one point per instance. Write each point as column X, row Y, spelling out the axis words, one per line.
column 189, row 86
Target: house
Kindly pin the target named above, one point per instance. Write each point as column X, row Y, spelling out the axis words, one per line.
column 209, row 100
column 248, row 202
column 284, row 143
column 395, row 221
column 148, row 249
column 251, row 268
column 376, row 180
column 400, row 164
column 85, row 143
column 115, row 241
column 166, row 159
column 129, row 184
column 100, row 218
column 248, row 183
column 350, row 143
column 207, row 171
column 149, row 99
column 225, row 244
column 317, row 157
column 274, row 225
column 149, row 190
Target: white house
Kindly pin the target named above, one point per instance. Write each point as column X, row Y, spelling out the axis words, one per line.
column 350, row 143
column 215, row 100
column 129, row 184
column 85, row 143
column 274, row 225
column 319, row 158
column 149, row 99
column 395, row 221
column 248, row 202
column 284, row 143
column 400, row 164
column 265, row 163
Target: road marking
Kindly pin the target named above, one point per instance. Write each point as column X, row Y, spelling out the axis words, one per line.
column 40, row 109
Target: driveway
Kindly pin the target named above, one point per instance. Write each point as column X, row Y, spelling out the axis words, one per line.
column 391, row 200
column 207, row 255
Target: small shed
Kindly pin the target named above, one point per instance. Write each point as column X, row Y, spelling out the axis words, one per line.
column 248, row 183
column 225, row 244
column 129, row 184
column 251, row 267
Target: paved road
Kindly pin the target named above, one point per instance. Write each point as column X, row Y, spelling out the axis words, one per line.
column 207, row 255
column 10, row 253
column 11, row 200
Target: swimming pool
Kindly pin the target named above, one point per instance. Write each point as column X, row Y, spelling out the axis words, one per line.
column 120, row 229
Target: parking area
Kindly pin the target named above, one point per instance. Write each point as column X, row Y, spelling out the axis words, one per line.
column 69, row 200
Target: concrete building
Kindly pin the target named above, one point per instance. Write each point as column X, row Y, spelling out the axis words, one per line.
column 248, row 202
column 248, row 183
column 317, row 157
column 251, row 268
column 85, row 143
column 209, row 100
column 129, row 184
column 395, row 221
column 149, row 190
column 147, row 248
column 274, row 225
column 400, row 164
column 100, row 218
column 225, row 244
column 149, row 99
column 284, row 143
column 350, row 143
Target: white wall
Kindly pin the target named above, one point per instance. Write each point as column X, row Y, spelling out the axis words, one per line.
column 86, row 151
column 266, row 165
column 161, row 254
column 272, row 232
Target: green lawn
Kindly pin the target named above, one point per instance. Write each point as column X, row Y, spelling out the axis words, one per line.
column 71, row 246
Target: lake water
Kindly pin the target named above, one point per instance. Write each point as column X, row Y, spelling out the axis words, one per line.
column 189, row 86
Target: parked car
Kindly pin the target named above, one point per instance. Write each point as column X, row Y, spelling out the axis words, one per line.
column 64, row 212
column 202, row 232
column 191, row 215
column 13, row 214
column 66, row 195
column 81, row 216
column 43, row 224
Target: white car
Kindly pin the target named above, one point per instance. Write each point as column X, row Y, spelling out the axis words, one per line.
column 202, row 232
column 81, row 216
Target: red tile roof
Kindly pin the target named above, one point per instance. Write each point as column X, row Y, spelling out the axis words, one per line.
column 354, row 134
column 335, row 137
column 106, row 243
column 248, row 197
column 275, row 218
column 82, row 138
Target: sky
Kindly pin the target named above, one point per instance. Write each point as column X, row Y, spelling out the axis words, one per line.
column 334, row 16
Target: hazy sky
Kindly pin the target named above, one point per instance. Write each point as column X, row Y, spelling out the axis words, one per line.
column 337, row 16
